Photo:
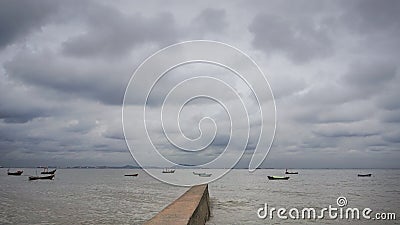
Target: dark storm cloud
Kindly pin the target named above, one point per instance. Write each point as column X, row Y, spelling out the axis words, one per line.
column 19, row 18
column 376, row 24
column 109, row 32
column 48, row 70
column 112, row 33
column 370, row 16
column 16, row 107
column 18, row 116
column 17, row 112
column 300, row 39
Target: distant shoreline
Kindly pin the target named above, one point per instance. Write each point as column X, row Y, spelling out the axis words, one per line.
column 135, row 167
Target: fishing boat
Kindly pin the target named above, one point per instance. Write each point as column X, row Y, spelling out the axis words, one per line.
column 16, row 173
column 287, row 172
column 166, row 170
column 364, row 175
column 195, row 173
column 205, row 175
column 49, row 177
column 46, row 171
column 131, row 175
column 277, row 178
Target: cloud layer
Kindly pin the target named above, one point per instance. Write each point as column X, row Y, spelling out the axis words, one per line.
column 333, row 67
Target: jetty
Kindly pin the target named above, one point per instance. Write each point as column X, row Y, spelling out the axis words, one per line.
column 191, row 208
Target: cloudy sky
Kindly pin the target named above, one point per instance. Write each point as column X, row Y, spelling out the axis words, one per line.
column 333, row 67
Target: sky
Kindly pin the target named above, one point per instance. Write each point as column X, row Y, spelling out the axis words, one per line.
column 333, row 67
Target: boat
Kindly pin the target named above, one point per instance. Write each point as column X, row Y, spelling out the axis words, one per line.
column 195, row 173
column 287, row 172
column 205, row 175
column 277, row 178
column 364, row 175
column 16, row 173
column 46, row 171
column 131, row 175
column 49, row 177
column 168, row 170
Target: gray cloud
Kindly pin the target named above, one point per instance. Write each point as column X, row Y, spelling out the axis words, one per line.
column 19, row 18
column 389, row 100
column 300, row 39
column 344, row 133
column 333, row 67
column 369, row 16
column 391, row 116
column 393, row 137
column 111, row 33
column 370, row 77
column 69, row 76
column 209, row 21
column 19, row 104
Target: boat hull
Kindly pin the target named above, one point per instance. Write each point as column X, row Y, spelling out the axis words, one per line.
column 364, row 175
column 17, row 173
column 168, row 171
column 205, row 175
column 131, row 175
column 195, row 173
column 51, row 177
column 277, row 178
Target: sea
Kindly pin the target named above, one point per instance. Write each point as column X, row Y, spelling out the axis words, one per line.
column 106, row 196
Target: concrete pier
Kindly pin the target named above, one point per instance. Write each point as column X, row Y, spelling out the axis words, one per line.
column 192, row 208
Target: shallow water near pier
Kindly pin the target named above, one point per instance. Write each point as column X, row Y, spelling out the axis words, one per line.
column 106, row 196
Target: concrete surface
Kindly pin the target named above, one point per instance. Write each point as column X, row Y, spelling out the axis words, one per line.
column 192, row 208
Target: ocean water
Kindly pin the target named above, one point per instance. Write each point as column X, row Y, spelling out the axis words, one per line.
column 106, row 196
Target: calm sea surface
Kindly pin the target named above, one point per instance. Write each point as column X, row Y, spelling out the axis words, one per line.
column 105, row 196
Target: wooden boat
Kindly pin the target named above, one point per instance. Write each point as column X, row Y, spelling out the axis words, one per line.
column 278, row 178
column 50, row 177
column 168, row 171
column 205, row 175
column 131, row 175
column 16, row 173
column 46, row 171
column 287, row 172
column 364, row 175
